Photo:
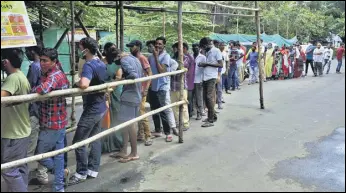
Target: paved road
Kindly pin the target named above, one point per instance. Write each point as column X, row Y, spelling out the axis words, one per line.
column 296, row 144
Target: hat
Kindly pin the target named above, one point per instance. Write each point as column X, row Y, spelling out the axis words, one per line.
column 134, row 43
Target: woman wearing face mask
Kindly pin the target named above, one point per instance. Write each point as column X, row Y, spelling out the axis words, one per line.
column 112, row 142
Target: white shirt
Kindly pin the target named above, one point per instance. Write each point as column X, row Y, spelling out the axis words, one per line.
column 328, row 54
column 240, row 61
column 225, row 58
column 318, row 58
column 297, row 53
column 174, row 65
column 213, row 56
column 199, row 70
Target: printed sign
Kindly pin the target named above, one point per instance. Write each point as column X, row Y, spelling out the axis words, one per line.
column 16, row 30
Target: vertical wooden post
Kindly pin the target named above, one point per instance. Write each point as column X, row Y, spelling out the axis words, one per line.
column 117, row 23
column 73, row 63
column 214, row 18
column 40, row 21
column 181, row 59
column 259, row 55
column 164, row 21
column 121, row 4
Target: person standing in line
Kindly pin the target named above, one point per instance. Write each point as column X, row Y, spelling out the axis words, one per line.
column 144, row 129
column 15, row 121
column 269, row 59
column 253, row 57
column 94, row 108
column 340, row 52
column 221, row 73
column 190, row 76
column 131, row 98
column 53, row 119
column 210, row 74
column 198, row 89
column 240, row 70
column 159, row 94
column 328, row 56
column 176, row 86
column 310, row 58
column 34, row 74
column 318, row 59
column 235, row 55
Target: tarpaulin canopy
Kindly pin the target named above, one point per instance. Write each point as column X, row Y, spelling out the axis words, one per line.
column 248, row 39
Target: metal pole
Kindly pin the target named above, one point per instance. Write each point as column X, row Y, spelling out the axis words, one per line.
column 259, row 55
column 117, row 23
column 73, row 62
column 181, row 58
column 40, row 18
column 121, row 4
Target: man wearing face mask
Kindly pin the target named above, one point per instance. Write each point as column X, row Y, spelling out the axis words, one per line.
column 15, row 122
column 159, row 94
column 94, row 107
column 144, row 129
column 318, row 59
column 253, row 57
column 210, row 74
column 53, row 119
column 34, row 73
column 198, row 90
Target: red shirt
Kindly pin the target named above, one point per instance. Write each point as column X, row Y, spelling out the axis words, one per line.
column 339, row 52
column 145, row 65
column 52, row 112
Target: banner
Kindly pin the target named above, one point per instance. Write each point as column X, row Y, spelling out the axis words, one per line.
column 16, row 30
column 79, row 34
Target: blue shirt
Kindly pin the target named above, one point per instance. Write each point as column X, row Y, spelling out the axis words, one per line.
column 132, row 69
column 253, row 57
column 94, row 70
column 310, row 52
column 162, row 83
column 34, row 79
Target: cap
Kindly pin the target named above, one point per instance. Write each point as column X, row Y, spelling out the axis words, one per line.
column 135, row 43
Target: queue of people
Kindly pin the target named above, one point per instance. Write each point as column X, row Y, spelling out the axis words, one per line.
column 40, row 127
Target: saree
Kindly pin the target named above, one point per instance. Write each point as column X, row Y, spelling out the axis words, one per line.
column 269, row 59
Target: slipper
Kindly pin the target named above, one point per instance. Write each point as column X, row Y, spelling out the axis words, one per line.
column 128, row 159
column 207, row 124
column 118, row 156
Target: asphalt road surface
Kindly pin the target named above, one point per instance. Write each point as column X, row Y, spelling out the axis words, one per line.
column 296, row 144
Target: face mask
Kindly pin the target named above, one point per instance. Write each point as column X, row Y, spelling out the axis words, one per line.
column 150, row 49
column 117, row 62
column 134, row 51
column 195, row 50
column 81, row 54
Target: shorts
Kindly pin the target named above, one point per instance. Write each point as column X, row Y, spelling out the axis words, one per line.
column 128, row 111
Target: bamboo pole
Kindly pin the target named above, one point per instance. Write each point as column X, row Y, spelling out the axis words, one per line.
column 226, row 6
column 121, row 4
column 73, row 62
column 117, row 23
column 40, row 21
column 87, row 141
column 214, row 19
column 181, row 60
column 77, row 91
column 259, row 55
column 164, row 21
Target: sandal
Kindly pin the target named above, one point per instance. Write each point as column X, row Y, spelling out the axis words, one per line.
column 169, row 138
column 148, row 142
column 118, row 155
column 128, row 159
column 207, row 124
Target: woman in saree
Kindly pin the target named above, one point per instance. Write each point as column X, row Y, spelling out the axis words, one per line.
column 112, row 142
column 269, row 59
column 285, row 64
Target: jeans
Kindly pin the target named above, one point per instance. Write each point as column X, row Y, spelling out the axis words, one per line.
column 253, row 74
column 89, row 125
column 50, row 140
column 143, row 125
column 311, row 62
column 198, row 95
column 225, row 82
column 209, row 98
column 219, row 92
column 327, row 61
column 232, row 77
column 318, row 68
column 16, row 178
column 158, row 99
column 339, row 65
column 35, row 129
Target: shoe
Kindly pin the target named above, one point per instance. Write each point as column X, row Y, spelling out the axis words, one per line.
column 148, row 142
column 199, row 117
column 220, row 107
column 238, row 88
column 207, row 124
column 185, row 128
column 223, row 101
column 74, row 180
column 42, row 181
column 169, row 138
